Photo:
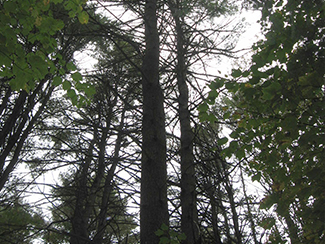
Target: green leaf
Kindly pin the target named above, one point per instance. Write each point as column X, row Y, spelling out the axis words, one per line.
column 57, row 80
column 234, row 134
column 182, row 237
column 83, row 17
column 222, row 141
column 232, row 86
column 10, row 6
column 240, row 153
column 211, row 118
column 173, row 233
column 59, row 24
column 164, row 240
column 232, row 149
column 257, row 177
column 76, row 76
column 90, row 90
column 203, row 107
column 73, row 96
column 71, row 66
column 203, row 116
column 245, row 73
column 164, row 227
column 159, row 232
column 213, row 94
column 267, row 202
column 66, row 85
column 236, row 73
column 267, row 95
column 226, row 115
column 214, row 85
column 267, row 223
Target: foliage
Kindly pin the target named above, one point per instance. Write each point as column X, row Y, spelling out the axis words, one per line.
column 19, row 223
column 29, row 44
column 119, row 224
column 278, row 107
column 169, row 236
column 84, row 137
column 34, row 59
column 81, row 139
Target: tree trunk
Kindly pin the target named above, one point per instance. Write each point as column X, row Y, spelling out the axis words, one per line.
column 79, row 220
column 108, row 186
column 153, row 206
column 249, row 210
column 18, row 126
column 189, row 218
column 228, row 186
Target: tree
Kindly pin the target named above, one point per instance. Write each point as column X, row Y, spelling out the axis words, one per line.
column 28, row 34
column 153, row 208
column 188, row 38
column 90, row 141
column 34, row 59
column 279, row 111
column 118, row 224
column 19, row 222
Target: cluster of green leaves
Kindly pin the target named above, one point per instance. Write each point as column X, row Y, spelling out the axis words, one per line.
column 169, row 236
column 18, row 223
column 28, row 41
column 278, row 112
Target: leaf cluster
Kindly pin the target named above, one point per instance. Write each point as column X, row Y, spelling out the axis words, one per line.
column 28, row 41
column 278, row 110
column 169, row 236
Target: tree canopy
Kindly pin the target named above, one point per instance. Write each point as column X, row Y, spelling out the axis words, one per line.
column 133, row 149
column 278, row 110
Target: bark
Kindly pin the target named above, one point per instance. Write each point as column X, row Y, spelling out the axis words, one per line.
column 108, row 187
column 86, row 193
column 249, row 210
column 79, row 220
column 232, row 203
column 153, row 206
column 189, row 218
column 18, row 126
column 214, row 212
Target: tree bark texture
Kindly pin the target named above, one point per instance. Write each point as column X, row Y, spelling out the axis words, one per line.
column 108, row 186
column 18, row 125
column 153, row 207
column 189, row 218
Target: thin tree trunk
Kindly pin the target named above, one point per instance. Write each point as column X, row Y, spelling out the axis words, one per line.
column 189, row 218
column 214, row 213
column 79, row 221
column 249, row 211
column 153, row 206
column 19, row 137
column 85, row 193
column 232, row 203
column 108, row 187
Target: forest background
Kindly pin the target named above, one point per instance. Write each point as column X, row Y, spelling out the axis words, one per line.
column 133, row 150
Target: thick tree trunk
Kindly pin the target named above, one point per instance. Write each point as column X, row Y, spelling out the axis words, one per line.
column 153, row 207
